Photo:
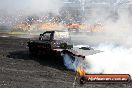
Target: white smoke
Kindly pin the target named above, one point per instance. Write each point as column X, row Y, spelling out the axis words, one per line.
column 117, row 46
column 115, row 42
column 114, row 60
column 72, row 64
column 68, row 62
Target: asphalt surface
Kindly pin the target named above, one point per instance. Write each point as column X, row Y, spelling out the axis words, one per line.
column 19, row 70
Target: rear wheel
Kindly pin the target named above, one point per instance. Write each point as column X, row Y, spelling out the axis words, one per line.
column 69, row 54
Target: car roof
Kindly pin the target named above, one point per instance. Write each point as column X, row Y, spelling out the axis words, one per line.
column 57, row 31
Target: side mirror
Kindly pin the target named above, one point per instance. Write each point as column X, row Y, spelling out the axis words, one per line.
column 41, row 34
column 40, row 37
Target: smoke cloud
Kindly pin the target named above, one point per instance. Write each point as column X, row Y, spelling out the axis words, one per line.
column 114, row 60
column 74, row 64
column 114, row 40
column 116, row 43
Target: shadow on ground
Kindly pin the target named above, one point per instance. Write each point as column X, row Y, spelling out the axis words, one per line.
column 50, row 61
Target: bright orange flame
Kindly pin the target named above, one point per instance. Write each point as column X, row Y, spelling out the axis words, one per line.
column 81, row 71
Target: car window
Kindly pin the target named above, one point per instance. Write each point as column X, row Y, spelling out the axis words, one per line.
column 61, row 35
column 46, row 36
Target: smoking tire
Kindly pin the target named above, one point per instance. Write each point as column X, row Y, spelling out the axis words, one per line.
column 66, row 52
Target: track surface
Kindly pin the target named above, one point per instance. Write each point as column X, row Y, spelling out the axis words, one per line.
column 19, row 70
